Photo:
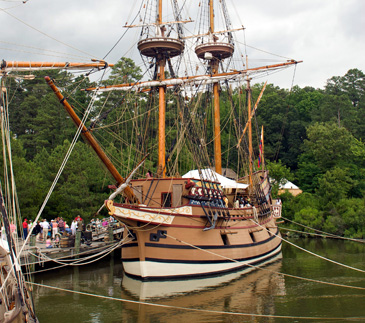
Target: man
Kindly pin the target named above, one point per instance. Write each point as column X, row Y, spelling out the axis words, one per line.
column 78, row 218
column 25, row 228
column 45, row 226
column 61, row 225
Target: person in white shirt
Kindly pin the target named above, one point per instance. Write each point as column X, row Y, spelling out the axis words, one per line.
column 73, row 227
column 45, row 226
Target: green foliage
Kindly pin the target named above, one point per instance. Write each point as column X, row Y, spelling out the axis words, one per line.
column 81, row 188
column 279, row 174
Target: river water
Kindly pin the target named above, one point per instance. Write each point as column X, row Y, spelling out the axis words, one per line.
column 268, row 295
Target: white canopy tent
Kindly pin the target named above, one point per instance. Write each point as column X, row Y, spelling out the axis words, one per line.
column 211, row 175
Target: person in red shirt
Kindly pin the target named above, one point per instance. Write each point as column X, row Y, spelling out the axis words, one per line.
column 25, row 228
column 78, row 218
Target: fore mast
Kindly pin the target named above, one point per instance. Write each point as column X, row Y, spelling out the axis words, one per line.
column 158, row 44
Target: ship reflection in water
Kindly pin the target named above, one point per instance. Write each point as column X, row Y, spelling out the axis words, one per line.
column 248, row 291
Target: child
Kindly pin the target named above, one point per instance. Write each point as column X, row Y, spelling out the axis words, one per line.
column 49, row 243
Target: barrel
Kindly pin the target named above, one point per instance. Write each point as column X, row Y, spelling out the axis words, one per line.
column 71, row 241
column 64, row 242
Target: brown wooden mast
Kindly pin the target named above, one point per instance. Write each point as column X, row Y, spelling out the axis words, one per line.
column 161, row 102
column 214, row 63
column 250, row 150
column 91, row 140
column 160, row 47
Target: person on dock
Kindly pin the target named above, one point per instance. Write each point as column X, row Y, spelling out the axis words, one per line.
column 45, row 228
column 49, row 243
column 54, row 228
column 78, row 218
column 37, row 231
column 61, row 225
column 73, row 227
column 25, row 228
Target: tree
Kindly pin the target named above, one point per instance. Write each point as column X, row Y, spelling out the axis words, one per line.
column 279, row 175
column 352, row 84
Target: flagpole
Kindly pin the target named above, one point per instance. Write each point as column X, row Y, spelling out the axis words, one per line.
column 262, row 152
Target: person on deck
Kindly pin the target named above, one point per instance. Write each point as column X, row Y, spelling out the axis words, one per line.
column 25, row 228
column 149, row 175
column 225, row 199
column 236, row 204
column 13, row 230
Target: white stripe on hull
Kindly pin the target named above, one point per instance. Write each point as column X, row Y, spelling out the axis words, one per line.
column 155, row 270
column 145, row 290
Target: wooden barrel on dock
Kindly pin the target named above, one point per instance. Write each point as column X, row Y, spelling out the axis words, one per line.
column 71, row 241
column 64, row 242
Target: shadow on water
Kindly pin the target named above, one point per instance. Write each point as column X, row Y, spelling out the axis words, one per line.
column 258, row 292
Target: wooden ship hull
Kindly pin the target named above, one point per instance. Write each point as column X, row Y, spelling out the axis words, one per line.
column 192, row 235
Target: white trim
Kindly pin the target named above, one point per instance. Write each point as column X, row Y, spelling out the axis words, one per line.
column 151, row 269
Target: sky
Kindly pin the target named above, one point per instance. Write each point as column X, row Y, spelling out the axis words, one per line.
column 327, row 35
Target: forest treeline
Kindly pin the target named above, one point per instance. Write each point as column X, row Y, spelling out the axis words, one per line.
column 313, row 137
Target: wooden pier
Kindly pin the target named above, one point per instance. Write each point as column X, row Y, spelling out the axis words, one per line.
column 38, row 257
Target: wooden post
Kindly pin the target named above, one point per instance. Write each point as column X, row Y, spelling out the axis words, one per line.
column 77, row 244
column 33, row 250
column 111, row 234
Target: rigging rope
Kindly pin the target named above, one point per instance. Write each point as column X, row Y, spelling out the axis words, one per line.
column 312, row 253
column 330, row 235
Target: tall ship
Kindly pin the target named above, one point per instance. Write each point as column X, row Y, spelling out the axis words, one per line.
column 185, row 215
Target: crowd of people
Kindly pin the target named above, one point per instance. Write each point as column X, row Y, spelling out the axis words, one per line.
column 241, row 202
column 49, row 232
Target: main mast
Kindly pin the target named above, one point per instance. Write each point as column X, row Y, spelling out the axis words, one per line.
column 160, row 47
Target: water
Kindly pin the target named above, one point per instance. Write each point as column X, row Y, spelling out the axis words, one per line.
column 257, row 292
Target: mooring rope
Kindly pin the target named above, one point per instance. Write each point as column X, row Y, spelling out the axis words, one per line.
column 196, row 309
column 104, row 252
column 259, row 267
column 80, row 262
column 310, row 252
column 324, row 233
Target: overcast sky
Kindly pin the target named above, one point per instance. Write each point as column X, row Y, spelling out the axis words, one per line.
column 328, row 35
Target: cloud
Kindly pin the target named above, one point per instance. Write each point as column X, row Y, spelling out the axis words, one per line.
column 327, row 35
